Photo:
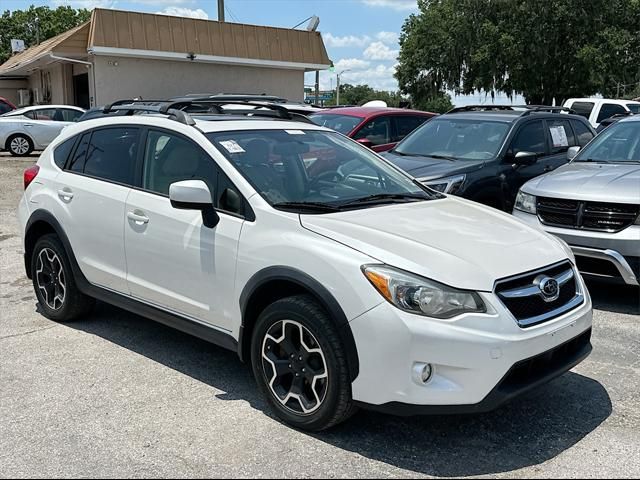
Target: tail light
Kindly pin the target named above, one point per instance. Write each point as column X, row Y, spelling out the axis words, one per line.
column 29, row 174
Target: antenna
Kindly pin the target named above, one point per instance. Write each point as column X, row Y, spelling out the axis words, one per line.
column 313, row 23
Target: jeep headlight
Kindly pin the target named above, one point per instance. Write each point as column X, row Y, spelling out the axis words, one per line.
column 422, row 296
column 450, row 185
column 526, row 203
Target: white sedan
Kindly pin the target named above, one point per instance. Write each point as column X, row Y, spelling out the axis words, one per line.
column 33, row 128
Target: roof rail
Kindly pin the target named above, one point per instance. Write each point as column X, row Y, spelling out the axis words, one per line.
column 480, row 108
column 544, row 108
column 142, row 106
column 218, row 103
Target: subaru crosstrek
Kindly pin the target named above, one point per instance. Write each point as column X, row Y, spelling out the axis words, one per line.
column 342, row 290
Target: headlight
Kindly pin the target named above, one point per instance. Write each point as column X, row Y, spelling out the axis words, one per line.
column 421, row 296
column 526, row 203
column 445, row 185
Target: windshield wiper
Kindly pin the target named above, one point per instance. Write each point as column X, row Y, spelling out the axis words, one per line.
column 309, row 206
column 592, row 160
column 384, row 198
column 437, row 157
column 443, row 157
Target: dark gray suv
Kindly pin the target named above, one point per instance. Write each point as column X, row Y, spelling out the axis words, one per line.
column 486, row 153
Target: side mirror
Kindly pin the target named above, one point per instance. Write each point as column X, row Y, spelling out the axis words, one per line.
column 525, row 158
column 194, row 195
column 366, row 142
column 572, row 153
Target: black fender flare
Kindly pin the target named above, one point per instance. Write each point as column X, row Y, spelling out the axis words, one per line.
column 315, row 288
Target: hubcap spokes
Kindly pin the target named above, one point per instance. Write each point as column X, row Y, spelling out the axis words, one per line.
column 50, row 278
column 20, row 146
column 295, row 367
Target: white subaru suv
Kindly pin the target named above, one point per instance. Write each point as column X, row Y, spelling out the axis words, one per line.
column 343, row 281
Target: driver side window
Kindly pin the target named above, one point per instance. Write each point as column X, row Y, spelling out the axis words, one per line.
column 530, row 138
column 377, row 131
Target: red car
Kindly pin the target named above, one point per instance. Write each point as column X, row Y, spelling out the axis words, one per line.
column 6, row 106
column 379, row 128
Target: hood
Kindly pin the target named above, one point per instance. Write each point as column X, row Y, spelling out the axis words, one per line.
column 600, row 182
column 453, row 241
column 429, row 168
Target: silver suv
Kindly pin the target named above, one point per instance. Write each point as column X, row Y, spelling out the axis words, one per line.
column 593, row 203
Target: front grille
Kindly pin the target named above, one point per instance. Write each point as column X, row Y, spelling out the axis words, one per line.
column 529, row 371
column 599, row 216
column 524, row 298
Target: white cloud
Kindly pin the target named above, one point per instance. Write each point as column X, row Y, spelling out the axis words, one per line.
column 395, row 4
column 379, row 77
column 380, row 51
column 388, row 37
column 160, row 3
column 185, row 12
column 346, row 41
column 351, row 64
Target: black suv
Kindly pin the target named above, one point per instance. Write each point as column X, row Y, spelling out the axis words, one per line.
column 486, row 153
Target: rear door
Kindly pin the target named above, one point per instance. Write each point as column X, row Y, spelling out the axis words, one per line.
column 91, row 194
column 44, row 125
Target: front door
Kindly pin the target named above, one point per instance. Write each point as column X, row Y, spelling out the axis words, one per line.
column 81, row 90
column 173, row 260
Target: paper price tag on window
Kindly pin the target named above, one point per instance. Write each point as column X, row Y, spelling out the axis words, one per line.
column 295, row 132
column 232, row 146
column 559, row 136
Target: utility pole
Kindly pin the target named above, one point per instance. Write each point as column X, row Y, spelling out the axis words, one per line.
column 317, row 86
column 338, row 86
column 221, row 10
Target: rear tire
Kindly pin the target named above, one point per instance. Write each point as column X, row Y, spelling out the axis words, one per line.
column 300, row 364
column 53, row 282
column 19, row 145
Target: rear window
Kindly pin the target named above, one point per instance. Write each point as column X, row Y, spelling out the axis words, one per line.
column 340, row 123
column 112, row 154
column 634, row 107
column 583, row 134
column 609, row 110
column 62, row 152
column 583, row 108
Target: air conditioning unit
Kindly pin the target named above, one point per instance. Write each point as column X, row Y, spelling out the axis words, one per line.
column 24, row 98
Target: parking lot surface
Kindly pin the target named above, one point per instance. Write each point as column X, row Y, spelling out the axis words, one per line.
column 117, row 395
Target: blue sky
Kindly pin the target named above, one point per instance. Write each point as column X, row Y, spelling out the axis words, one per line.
column 360, row 35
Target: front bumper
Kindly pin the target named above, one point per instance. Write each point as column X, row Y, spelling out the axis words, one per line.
column 600, row 254
column 478, row 360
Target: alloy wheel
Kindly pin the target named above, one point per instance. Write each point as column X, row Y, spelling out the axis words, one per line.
column 50, row 278
column 19, row 145
column 295, row 367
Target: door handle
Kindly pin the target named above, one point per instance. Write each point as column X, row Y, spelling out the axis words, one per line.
column 65, row 194
column 27, row 124
column 140, row 219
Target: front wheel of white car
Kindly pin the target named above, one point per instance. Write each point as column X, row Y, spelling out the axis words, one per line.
column 300, row 364
column 19, row 145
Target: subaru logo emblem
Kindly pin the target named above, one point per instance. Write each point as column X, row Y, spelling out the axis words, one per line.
column 549, row 288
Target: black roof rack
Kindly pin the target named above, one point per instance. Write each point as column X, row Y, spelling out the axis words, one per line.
column 183, row 110
column 545, row 108
column 480, row 108
column 524, row 109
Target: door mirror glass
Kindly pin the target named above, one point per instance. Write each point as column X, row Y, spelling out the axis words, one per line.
column 572, row 152
column 525, row 158
column 194, row 195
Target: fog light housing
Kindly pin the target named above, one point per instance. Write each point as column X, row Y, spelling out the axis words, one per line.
column 422, row 373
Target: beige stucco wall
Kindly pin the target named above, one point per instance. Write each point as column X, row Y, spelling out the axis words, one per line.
column 60, row 87
column 9, row 88
column 161, row 79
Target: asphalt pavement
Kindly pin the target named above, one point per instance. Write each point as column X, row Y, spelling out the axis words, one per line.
column 117, row 395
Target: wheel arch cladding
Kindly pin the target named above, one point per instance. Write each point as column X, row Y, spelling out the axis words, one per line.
column 275, row 283
column 42, row 223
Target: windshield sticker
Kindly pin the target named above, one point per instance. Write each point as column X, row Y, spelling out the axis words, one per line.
column 295, row 132
column 232, row 146
column 559, row 136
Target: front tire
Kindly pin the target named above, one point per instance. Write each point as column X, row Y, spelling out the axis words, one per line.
column 300, row 364
column 59, row 297
column 19, row 145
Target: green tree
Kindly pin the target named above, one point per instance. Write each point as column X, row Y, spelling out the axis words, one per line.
column 36, row 24
column 361, row 94
column 544, row 50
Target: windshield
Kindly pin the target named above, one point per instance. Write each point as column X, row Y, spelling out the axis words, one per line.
column 305, row 170
column 456, row 138
column 634, row 107
column 340, row 123
column 619, row 143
